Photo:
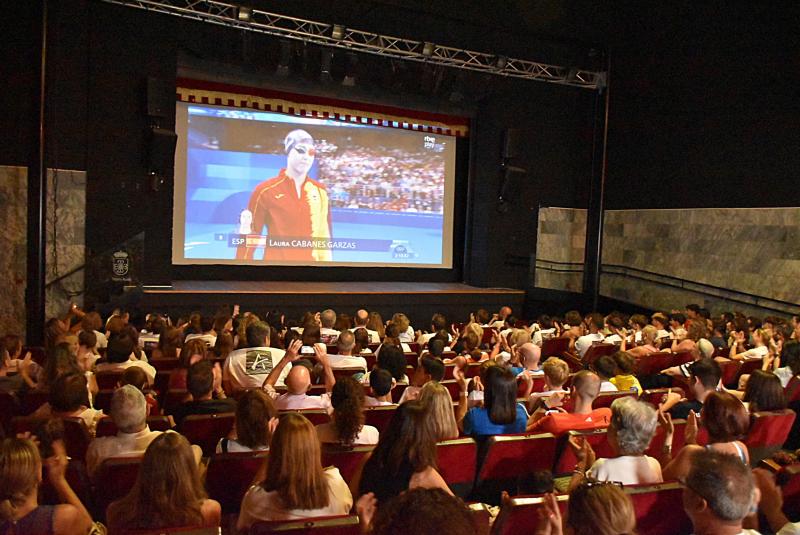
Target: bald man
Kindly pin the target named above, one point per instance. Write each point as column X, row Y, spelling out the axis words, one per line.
column 361, row 320
column 298, row 381
column 529, row 357
column 585, row 389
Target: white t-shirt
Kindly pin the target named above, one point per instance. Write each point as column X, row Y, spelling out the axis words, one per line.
column 347, row 361
column 583, row 343
column 303, row 401
column 755, row 353
column 374, row 337
column 249, row 367
column 259, row 504
column 613, row 339
column 367, row 436
column 235, row 447
column 425, row 338
column 542, row 335
column 408, row 335
column 627, row 469
column 120, row 445
column 370, row 401
column 785, row 375
column 608, row 386
column 102, row 340
column 122, row 366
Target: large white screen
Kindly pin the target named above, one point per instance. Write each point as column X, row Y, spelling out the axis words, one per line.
column 258, row 188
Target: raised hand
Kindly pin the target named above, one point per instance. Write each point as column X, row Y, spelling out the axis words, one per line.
column 691, row 428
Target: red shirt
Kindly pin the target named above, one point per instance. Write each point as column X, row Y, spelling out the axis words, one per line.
column 562, row 422
column 289, row 217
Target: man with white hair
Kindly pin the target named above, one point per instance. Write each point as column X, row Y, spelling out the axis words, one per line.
column 129, row 412
column 293, row 207
column 327, row 333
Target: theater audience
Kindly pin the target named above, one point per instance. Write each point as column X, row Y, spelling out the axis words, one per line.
column 726, row 421
column 789, row 362
column 606, row 368
column 438, row 323
column 298, row 381
column 595, row 323
column 328, row 334
column 120, row 356
column 500, row 413
column 344, row 357
column 405, row 457
column 20, row 477
column 256, row 419
column 704, row 377
column 346, row 427
column 18, row 382
column 223, row 346
column 439, row 405
column 168, row 492
column 585, row 388
column 764, row 392
column 204, row 383
column 169, row 344
column 293, row 483
column 420, row 511
column 371, row 323
column 624, row 378
column 595, row 508
column 393, row 361
column 760, row 349
column 404, row 327
column 648, row 336
column 633, row 424
column 529, row 356
column 69, row 397
column 203, row 330
column 361, row 342
column 193, row 351
column 428, row 369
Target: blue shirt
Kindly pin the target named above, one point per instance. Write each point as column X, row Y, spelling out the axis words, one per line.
column 477, row 422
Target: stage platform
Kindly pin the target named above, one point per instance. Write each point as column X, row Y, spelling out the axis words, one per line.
column 418, row 300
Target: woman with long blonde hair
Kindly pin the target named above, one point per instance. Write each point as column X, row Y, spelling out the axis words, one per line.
column 439, row 404
column 375, row 323
column 168, row 492
column 293, row 483
column 20, row 476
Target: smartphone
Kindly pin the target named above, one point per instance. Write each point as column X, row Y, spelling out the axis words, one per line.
column 306, row 350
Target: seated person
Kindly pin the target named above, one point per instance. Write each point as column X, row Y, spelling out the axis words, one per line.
column 249, row 366
column 393, row 361
column 529, row 355
column 138, row 378
column 256, row 419
column 22, row 380
column 344, row 357
column 556, row 373
column 168, row 492
column 428, row 369
column 292, row 483
column 633, row 424
column 69, row 397
column 439, row 405
column 298, row 381
column 129, row 412
column 347, row 427
column 649, row 335
column 500, row 413
column 381, row 383
column 585, row 388
column 421, row 511
column 704, row 377
column 119, row 356
column 208, row 397
column 605, row 368
column 596, row 324
column 328, row 334
column 624, row 378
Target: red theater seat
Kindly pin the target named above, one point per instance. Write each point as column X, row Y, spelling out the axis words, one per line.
column 346, row 459
column 205, row 430
column 538, row 385
column 793, row 389
column 520, row 515
column 102, row 400
column 554, row 347
column 397, row 392
column 768, row 432
column 229, row 476
column 108, row 380
column 315, row 416
column 347, row 372
column 457, row 461
column 598, row 350
column 659, row 509
column 76, row 435
column 653, row 363
column 566, row 458
column 509, row 457
column 730, row 372
column 114, row 479
column 325, row 525
column 379, row 416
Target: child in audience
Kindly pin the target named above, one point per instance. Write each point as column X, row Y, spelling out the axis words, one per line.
column 347, row 426
column 556, row 373
column 606, row 368
column 624, row 379
column 137, row 377
column 256, row 420
column 381, row 383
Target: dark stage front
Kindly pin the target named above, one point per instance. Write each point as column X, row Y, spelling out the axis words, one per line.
column 417, row 300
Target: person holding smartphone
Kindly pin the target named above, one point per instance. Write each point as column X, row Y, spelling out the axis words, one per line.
column 298, row 380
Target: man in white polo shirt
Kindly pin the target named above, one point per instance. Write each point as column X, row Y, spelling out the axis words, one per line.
column 249, row 367
column 344, row 358
column 361, row 319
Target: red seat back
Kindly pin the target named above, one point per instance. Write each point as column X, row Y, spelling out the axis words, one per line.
column 598, row 350
column 108, row 380
column 520, row 514
column 102, row 400
column 659, row 509
column 457, row 462
column 452, row 387
column 768, row 432
column 346, row 459
column 538, row 385
column 555, row 347
column 205, row 430
column 324, row 525
column 9, row 407
column 509, row 457
column 347, row 372
column 113, row 480
column 397, row 392
column 793, row 389
column 32, row 400
column 566, row 459
column 315, row 416
column 730, row 372
column 229, row 476
column 379, row 416
column 653, row 363
column 749, row 366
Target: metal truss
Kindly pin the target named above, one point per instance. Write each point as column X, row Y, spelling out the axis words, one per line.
column 332, row 35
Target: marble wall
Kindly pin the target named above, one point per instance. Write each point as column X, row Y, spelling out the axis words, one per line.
column 721, row 251
column 13, row 240
column 65, row 227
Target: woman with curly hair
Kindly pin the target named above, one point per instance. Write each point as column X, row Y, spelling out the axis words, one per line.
column 347, row 421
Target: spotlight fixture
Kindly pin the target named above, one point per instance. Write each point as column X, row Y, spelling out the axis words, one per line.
column 338, row 32
column 244, row 13
column 500, row 62
column 427, row 49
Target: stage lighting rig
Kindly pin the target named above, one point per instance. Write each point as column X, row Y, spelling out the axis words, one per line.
column 427, row 49
column 337, row 32
column 244, row 14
